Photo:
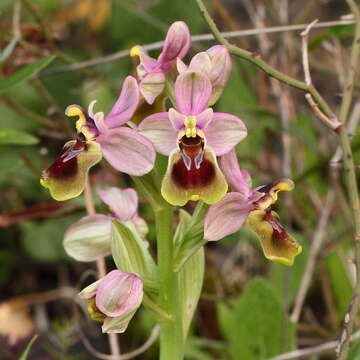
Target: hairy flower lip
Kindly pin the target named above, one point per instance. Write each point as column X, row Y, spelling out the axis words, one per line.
column 253, row 208
column 99, row 135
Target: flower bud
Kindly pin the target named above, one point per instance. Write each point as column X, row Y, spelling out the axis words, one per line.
column 114, row 299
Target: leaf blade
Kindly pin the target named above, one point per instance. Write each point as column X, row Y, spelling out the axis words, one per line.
column 25, row 73
column 16, row 137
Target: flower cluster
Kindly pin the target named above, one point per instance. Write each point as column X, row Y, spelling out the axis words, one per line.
column 193, row 136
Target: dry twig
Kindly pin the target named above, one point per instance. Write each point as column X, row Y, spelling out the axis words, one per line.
column 314, row 350
column 313, row 255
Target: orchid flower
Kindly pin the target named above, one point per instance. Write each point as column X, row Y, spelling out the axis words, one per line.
column 123, row 147
column 89, row 239
column 152, row 72
column 253, row 208
column 114, row 299
column 215, row 63
column 192, row 136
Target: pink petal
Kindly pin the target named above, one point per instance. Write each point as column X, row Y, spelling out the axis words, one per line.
column 176, row 119
column 125, row 105
column 159, row 130
column 147, row 63
column 123, row 203
column 176, row 45
column 192, row 92
column 204, row 118
column 224, row 132
column 226, row 216
column 119, row 293
column 181, row 66
column 239, row 180
column 152, row 85
column 201, row 62
column 128, row 151
column 220, row 71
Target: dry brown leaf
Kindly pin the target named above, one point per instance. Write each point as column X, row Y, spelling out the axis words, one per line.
column 95, row 13
column 15, row 321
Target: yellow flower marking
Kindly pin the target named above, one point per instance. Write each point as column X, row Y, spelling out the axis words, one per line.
column 75, row 110
column 271, row 197
column 190, row 126
column 135, row 51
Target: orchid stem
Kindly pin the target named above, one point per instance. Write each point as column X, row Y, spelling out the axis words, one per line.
column 171, row 335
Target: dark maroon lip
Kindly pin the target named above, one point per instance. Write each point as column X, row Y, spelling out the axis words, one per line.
column 279, row 235
column 66, row 165
column 193, row 178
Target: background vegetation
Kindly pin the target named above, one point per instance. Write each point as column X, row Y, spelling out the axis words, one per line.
column 248, row 308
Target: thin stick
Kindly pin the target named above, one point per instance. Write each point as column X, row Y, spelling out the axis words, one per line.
column 16, row 20
column 318, row 349
column 332, row 124
column 130, row 355
column 320, row 102
column 313, row 256
column 255, row 59
column 305, row 52
column 101, row 266
column 350, row 316
column 330, row 121
column 203, row 37
column 352, row 124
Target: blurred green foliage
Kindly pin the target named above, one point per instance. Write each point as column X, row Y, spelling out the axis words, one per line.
column 250, row 321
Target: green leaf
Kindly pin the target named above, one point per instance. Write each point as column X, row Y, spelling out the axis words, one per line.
column 189, row 235
column 184, row 222
column 25, row 73
column 131, row 254
column 253, row 327
column 354, row 352
column 16, row 137
column 25, row 354
column 43, row 240
column 340, row 282
column 191, row 279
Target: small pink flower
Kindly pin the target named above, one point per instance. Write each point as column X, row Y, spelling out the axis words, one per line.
column 253, row 208
column 215, row 63
column 193, row 135
column 152, row 72
column 123, row 147
column 114, row 299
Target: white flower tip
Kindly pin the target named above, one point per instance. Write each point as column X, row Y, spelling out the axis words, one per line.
column 91, row 108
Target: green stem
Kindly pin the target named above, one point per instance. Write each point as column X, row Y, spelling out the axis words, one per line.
column 349, row 167
column 263, row 65
column 171, row 337
column 351, row 180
